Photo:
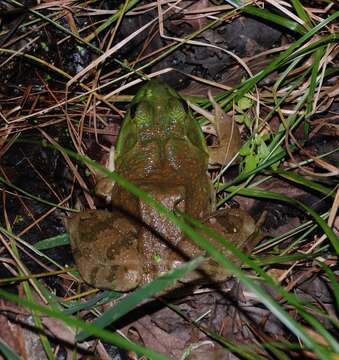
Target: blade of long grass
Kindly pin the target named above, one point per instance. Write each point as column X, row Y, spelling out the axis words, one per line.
column 110, row 21
column 313, row 81
column 282, row 259
column 97, row 300
column 320, row 329
column 274, row 18
column 26, row 286
column 309, row 49
column 38, row 323
column 301, row 180
column 30, row 276
column 52, row 242
column 9, row 353
column 299, row 8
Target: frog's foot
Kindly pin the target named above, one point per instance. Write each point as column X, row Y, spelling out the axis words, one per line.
column 234, row 225
column 238, row 228
column 105, row 248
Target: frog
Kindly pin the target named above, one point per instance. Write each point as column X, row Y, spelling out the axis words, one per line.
column 162, row 150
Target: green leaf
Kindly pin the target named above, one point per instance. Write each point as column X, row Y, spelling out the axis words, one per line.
column 263, row 150
column 250, row 163
column 247, row 121
column 246, row 149
column 239, row 118
column 244, row 103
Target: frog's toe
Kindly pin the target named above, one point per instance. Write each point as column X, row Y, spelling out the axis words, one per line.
column 125, row 279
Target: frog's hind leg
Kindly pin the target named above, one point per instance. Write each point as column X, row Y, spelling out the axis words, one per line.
column 105, row 248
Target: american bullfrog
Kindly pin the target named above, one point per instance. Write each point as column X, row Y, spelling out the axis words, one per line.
column 161, row 149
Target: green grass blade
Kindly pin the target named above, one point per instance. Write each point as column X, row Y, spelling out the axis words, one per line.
column 299, row 8
column 308, row 50
column 282, row 259
column 26, row 286
column 97, row 300
column 274, row 18
column 110, row 21
column 8, row 353
column 52, row 242
column 313, row 81
column 320, row 329
column 298, row 179
column 38, row 323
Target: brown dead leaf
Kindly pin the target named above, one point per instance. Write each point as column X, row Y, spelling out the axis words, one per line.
column 146, row 332
column 226, row 130
column 229, row 141
column 15, row 332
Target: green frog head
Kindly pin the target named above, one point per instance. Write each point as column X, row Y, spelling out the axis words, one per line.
column 159, row 134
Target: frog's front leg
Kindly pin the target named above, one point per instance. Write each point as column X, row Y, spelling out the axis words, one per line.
column 105, row 248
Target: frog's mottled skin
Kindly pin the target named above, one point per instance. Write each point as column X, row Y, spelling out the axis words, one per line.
column 162, row 150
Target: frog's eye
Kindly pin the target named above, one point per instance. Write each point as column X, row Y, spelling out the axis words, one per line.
column 132, row 110
column 177, row 109
column 184, row 105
